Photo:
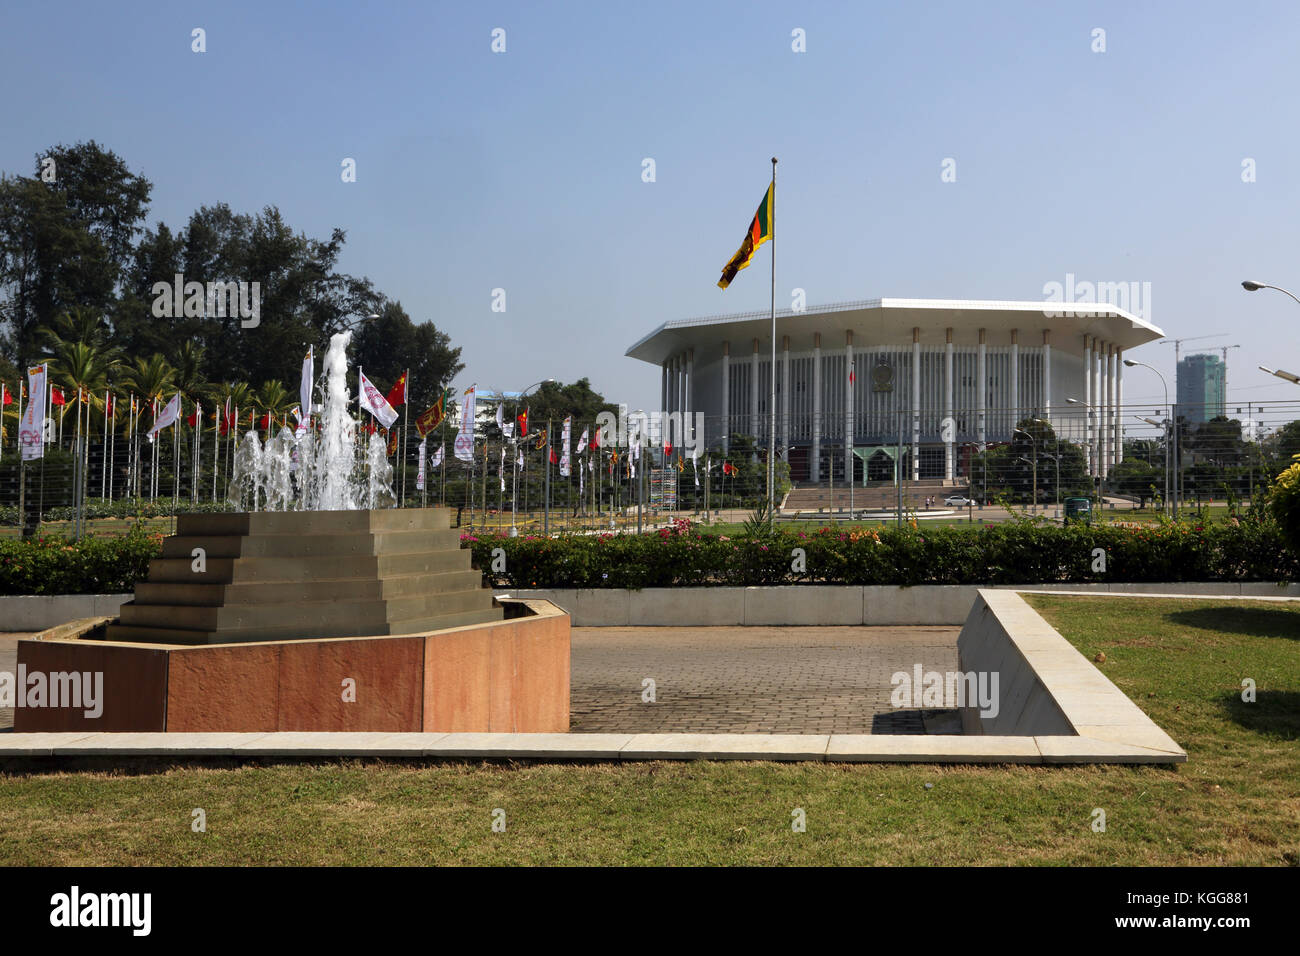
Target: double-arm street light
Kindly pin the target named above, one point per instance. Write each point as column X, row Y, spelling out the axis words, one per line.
column 1165, row 385
column 1089, row 406
column 1251, row 286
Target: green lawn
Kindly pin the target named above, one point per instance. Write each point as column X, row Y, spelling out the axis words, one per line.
column 1236, row 801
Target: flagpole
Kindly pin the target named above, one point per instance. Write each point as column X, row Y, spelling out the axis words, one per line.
column 771, row 403
column 406, row 416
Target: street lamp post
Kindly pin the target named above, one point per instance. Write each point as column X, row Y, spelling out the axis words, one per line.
column 1033, row 500
column 1089, row 406
column 1132, row 364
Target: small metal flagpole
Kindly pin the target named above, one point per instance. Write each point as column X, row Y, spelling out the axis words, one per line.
column 771, row 403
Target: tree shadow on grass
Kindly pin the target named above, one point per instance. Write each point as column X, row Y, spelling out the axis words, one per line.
column 1275, row 713
column 1258, row 622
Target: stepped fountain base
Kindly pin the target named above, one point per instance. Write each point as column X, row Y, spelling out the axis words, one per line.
column 316, row 621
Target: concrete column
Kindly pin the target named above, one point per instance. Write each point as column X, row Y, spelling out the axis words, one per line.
column 688, row 407
column 753, row 393
column 663, row 386
column 1047, row 375
column 726, row 397
column 785, row 397
column 848, row 405
column 981, row 391
column 814, row 466
column 1119, row 406
column 949, row 425
column 1087, row 398
column 916, row 403
column 1099, row 399
column 1015, row 377
column 1111, row 418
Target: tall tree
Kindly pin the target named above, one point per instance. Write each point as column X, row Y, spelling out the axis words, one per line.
column 392, row 343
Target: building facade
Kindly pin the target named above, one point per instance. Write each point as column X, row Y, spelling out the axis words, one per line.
column 1201, row 392
column 922, row 382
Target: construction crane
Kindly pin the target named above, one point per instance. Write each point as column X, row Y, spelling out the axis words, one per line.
column 1179, row 342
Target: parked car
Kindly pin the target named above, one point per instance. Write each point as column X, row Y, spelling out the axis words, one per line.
column 958, row 501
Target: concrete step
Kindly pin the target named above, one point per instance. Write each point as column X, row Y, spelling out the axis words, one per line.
column 157, row 635
column 216, row 594
column 427, row 562
column 311, row 545
column 429, row 605
column 461, row 619
column 315, row 522
column 181, row 570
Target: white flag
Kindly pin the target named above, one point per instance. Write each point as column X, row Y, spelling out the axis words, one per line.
column 419, row 471
column 564, row 447
column 501, row 470
column 464, row 446
column 31, row 428
column 582, row 443
column 501, row 423
column 168, row 416
column 373, row 401
column 437, row 459
column 520, row 460
column 305, row 384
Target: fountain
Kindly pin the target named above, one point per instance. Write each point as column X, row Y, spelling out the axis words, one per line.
column 316, row 470
column 319, row 607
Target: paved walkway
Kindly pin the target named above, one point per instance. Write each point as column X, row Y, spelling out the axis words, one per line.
column 790, row 680
column 9, row 663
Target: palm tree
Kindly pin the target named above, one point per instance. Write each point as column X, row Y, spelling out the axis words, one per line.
column 152, row 378
column 273, row 397
column 189, row 380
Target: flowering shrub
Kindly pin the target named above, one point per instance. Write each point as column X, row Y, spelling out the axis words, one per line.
column 1284, row 500
column 993, row 554
column 57, row 565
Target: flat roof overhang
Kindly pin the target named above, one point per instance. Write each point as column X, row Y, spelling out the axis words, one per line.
column 890, row 322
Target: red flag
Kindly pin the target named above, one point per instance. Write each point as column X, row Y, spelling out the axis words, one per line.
column 397, row 394
column 56, row 396
column 555, row 459
column 8, row 396
column 850, row 373
column 110, row 405
column 192, row 419
column 265, row 422
column 523, row 423
column 728, row 468
column 370, row 428
column 392, row 440
column 668, row 449
column 595, row 438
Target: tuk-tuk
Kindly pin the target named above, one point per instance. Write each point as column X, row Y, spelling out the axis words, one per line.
column 1078, row 509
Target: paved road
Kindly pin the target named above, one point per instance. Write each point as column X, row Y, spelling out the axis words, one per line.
column 752, row 679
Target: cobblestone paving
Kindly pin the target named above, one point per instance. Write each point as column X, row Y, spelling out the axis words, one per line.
column 805, row 680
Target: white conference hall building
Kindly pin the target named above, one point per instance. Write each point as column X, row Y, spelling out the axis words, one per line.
column 916, row 395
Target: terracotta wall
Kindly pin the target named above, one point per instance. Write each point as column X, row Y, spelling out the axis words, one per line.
column 504, row 676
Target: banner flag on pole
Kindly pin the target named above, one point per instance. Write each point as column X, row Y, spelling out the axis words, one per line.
column 419, row 471
column 759, row 232
column 31, row 427
column 168, row 416
column 501, row 469
column 464, row 446
column 431, row 418
column 564, row 447
column 375, row 403
column 437, row 458
column 305, row 384
column 397, row 394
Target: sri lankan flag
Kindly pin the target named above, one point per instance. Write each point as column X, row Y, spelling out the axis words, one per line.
column 431, row 418
column 760, row 230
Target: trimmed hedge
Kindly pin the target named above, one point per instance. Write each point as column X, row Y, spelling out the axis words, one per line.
column 125, row 508
column 1012, row 553
column 58, row 565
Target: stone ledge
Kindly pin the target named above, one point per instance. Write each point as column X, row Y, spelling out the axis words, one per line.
column 816, row 748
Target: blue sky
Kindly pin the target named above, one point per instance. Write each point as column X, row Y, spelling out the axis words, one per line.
column 522, row 170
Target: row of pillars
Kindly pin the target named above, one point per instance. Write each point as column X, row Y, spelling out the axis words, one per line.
column 1103, row 396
